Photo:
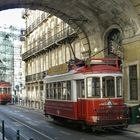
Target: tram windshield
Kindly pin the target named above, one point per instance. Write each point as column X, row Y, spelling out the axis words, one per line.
column 5, row 90
column 106, row 87
column 93, row 87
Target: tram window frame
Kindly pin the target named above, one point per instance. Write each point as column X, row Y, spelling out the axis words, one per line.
column 90, row 89
column 5, row 90
column 9, row 90
column 0, row 90
column 47, row 91
column 64, row 90
column 54, row 90
column 68, row 90
column 105, row 87
column 59, row 90
column 51, row 91
column 119, row 86
column 59, row 85
column 80, row 87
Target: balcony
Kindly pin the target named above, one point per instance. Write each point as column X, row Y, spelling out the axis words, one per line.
column 45, row 44
column 35, row 77
column 36, row 23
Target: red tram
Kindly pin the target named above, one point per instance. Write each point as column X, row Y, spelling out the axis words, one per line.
column 90, row 94
column 5, row 92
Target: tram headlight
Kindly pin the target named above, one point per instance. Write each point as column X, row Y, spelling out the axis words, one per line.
column 119, row 117
column 94, row 118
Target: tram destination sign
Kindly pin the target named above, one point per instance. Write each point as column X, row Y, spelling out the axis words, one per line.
column 60, row 69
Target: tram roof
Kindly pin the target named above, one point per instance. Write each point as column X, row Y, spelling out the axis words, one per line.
column 83, row 72
column 97, row 67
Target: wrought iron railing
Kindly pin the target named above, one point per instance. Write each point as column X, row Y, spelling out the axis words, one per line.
column 43, row 43
column 35, row 77
column 35, row 24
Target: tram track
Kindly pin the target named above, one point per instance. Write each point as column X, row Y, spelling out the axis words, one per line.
column 32, row 125
column 25, row 125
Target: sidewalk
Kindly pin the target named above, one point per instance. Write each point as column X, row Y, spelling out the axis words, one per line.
column 1, row 136
column 133, row 128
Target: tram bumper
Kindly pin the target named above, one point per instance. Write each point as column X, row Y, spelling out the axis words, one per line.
column 111, row 116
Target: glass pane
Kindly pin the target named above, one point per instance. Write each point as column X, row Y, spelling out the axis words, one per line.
column 96, row 87
column 119, row 86
column 9, row 90
column 89, row 87
column 0, row 90
column 54, row 90
column 133, row 82
column 47, row 91
column 80, row 88
column 4, row 90
column 51, row 91
column 64, row 90
column 108, row 87
column 93, row 86
column 59, row 90
column 68, row 90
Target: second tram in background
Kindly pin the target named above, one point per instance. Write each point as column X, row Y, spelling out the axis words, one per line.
column 5, row 92
column 91, row 95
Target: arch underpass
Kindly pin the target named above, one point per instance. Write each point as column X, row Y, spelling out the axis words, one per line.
column 91, row 18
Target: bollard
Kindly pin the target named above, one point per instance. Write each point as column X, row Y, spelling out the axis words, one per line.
column 18, row 135
column 3, row 131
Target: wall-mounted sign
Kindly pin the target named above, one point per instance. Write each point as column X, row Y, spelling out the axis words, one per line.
column 60, row 69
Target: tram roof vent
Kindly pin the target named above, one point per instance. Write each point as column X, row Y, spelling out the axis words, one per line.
column 106, row 61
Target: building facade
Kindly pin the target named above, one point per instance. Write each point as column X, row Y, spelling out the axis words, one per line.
column 49, row 42
column 10, row 56
column 7, row 54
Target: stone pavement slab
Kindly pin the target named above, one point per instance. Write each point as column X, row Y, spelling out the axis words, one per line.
column 134, row 128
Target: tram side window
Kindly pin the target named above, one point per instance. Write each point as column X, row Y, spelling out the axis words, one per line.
column 0, row 90
column 55, row 90
column 80, row 88
column 9, row 90
column 68, row 90
column 108, row 87
column 59, row 90
column 51, row 91
column 119, row 86
column 4, row 90
column 47, row 91
column 93, row 87
column 64, row 86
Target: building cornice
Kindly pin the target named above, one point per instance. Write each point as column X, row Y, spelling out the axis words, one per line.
column 131, row 40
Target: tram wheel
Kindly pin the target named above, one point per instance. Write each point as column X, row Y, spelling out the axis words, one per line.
column 84, row 127
column 93, row 128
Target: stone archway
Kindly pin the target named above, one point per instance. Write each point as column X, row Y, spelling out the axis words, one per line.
column 90, row 18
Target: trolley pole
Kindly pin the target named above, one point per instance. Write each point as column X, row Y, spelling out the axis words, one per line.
column 3, row 131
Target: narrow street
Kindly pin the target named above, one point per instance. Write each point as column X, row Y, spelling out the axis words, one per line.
column 33, row 124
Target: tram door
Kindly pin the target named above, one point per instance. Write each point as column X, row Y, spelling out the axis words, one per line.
column 80, row 89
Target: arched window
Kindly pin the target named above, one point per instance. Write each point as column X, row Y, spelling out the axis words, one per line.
column 114, row 41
